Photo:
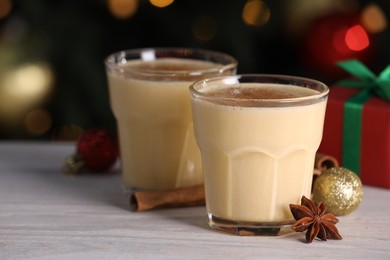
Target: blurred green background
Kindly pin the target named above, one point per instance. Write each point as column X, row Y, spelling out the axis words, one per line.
column 52, row 78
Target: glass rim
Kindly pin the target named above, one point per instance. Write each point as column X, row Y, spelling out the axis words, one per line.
column 114, row 60
column 234, row 100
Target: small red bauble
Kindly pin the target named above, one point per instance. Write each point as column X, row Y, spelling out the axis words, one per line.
column 98, row 148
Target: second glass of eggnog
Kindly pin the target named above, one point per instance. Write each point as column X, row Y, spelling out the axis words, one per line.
column 149, row 97
column 258, row 136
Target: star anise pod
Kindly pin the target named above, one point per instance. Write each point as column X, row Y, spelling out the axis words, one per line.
column 312, row 217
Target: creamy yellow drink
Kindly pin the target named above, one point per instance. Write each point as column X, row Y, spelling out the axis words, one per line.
column 257, row 157
column 151, row 105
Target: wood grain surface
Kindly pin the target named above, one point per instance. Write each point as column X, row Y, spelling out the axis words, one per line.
column 45, row 214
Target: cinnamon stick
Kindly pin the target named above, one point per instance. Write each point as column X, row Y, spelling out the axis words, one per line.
column 194, row 195
column 180, row 197
column 323, row 162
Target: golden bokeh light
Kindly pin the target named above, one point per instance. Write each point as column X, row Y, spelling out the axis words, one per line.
column 22, row 88
column 256, row 13
column 38, row 121
column 122, row 9
column 161, row 3
column 204, row 28
column 5, row 8
column 28, row 83
column 373, row 19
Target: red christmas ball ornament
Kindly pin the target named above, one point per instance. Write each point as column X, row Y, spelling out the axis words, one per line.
column 98, row 149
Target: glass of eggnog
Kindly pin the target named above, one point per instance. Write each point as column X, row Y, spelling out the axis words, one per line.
column 258, row 136
column 148, row 91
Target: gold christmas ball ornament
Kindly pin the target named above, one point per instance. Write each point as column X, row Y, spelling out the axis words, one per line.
column 339, row 189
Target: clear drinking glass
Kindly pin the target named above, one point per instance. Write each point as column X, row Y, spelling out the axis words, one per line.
column 258, row 136
column 149, row 97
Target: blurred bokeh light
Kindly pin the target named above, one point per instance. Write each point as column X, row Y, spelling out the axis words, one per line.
column 123, row 9
column 161, row 3
column 373, row 18
column 38, row 121
column 204, row 27
column 22, row 89
column 356, row 38
column 5, row 8
column 256, row 13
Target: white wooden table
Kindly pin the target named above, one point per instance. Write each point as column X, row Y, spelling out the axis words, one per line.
column 45, row 214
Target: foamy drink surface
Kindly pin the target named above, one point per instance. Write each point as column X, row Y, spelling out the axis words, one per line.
column 260, row 91
column 171, row 65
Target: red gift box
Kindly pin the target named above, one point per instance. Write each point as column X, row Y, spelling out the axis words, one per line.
column 374, row 155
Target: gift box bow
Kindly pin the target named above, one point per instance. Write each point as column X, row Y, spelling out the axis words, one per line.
column 366, row 79
column 353, row 107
